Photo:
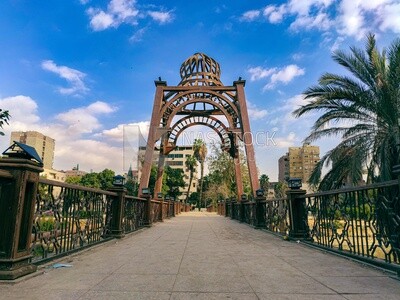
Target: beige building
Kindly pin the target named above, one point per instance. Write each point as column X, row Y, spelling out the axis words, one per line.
column 299, row 162
column 176, row 160
column 43, row 145
column 54, row 175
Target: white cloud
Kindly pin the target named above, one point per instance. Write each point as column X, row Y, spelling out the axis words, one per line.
column 73, row 77
column 343, row 17
column 258, row 73
column 120, row 12
column 284, row 75
column 100, row 20
column 255, row 113
column 286, row 141
column 138, row 35
column 23, row 111
column 161, row 17
column 84, row 119
column 250, row 15
column 274, row 13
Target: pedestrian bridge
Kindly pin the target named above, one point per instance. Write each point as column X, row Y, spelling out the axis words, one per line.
column 200, row 255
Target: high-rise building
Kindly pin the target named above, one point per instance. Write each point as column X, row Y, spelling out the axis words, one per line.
column 299, row 162
column 43, row 145
column 283, row 165
column 302, row 161
column 175, row 159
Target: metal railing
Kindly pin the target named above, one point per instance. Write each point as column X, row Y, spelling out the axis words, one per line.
column 361, row 222
column 134, row 213
column 68, row 217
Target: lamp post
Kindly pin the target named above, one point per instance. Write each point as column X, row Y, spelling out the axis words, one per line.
column 261, row 207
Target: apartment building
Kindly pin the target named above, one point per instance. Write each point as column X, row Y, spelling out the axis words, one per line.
column 43, row 145
column 176, row 160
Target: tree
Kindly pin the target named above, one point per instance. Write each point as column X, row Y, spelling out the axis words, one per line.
column 191, row 165
column 73, row 180
column 264, row 182
column 106, row 178
column 280, row 190
column 172, row 181
column 4, row 117
column 363, row 109
column 90, row 180
column 200, row 152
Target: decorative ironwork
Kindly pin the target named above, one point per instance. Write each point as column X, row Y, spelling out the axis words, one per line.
column 277, row 216
column 250, row 212
column 134, row 214
column 360, row 221
column 67, row 218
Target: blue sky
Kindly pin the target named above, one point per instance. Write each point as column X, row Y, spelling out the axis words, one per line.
column 79, row 71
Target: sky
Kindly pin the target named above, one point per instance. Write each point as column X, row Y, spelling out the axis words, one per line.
column 83, row 71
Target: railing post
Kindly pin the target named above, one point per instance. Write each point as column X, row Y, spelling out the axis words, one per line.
column 118, row 211
column 19, row 186
column 297, row 214
column 242, row 213
column 233, row 209
column 149, row 211
column 226, row 203
column 260, row 212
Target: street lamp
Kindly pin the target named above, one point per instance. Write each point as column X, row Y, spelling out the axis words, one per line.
column 294, row 183
column 243, row 197
column 145, row 191
column 260, row 193
column 118, row 180
column 160, row 195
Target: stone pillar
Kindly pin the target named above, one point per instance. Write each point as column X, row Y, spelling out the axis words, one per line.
column 297, row 214
column 19, row 180
column 261, row 206
column 117, row 212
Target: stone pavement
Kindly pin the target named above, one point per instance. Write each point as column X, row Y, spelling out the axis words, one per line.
column 204, row 256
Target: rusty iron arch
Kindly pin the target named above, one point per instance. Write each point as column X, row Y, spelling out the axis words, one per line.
column 199, row 99
column 219, row 128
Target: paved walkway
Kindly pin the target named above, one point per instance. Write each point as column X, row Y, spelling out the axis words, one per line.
column 205, row 256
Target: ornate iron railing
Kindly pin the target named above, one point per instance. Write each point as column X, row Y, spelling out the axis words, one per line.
column 134, row 214
column 249, row 212
column 68, row 217
column 362, row 221
column 277, row 216
column 157, row 210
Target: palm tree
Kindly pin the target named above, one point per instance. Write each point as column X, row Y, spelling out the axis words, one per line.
column 264, row 182
column 191, row 165
column 363, row 109
column 200, row 152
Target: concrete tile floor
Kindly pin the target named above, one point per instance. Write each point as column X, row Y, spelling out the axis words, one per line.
column 201, row 255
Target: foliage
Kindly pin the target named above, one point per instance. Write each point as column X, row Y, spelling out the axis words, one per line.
column 193, row 198
column 173, row 180
column 153, row 179
column 363, row 109
column 280, row 190
column 200, row 152
column 106, row 178
column 73, row 179
column 102, row 180
column 4, row 118
column 90, row 180
column 191, row 165
column 264, row 182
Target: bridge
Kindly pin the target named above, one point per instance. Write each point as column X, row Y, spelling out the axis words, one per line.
column 200, row 255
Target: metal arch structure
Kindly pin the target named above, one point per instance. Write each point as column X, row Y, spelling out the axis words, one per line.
column 200, row 99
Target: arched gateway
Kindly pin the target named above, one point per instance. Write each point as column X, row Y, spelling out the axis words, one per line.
column 200, row 99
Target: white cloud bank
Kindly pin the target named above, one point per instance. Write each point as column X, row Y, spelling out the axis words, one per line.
column 80, row 136
column 345, row 17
